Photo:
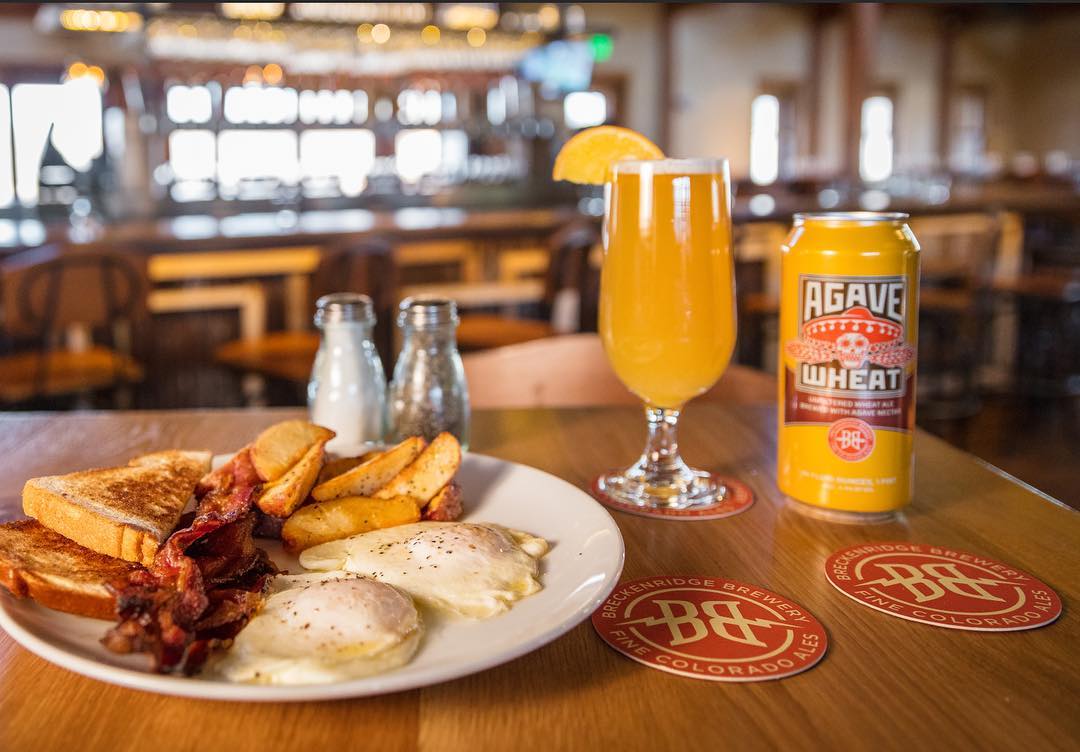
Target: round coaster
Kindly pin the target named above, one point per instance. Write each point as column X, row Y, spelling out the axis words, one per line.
column 739, row 498
column 710, row 628
column 941, row 586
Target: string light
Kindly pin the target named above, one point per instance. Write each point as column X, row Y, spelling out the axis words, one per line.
column 430, row 35
column 253, row 11
column 549, row 17
column 272, row 74
column 476, row 37
column 363, row 32
column 380, row 33
column 80, row 70
column 81, row 19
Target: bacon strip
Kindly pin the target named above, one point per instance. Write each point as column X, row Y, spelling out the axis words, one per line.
column 205, row 582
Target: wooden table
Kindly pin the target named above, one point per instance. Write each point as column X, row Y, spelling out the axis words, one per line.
column 884, row 684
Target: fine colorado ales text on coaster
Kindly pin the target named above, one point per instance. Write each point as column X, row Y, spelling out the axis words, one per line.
column 941, row 586
column 737, row 498
column 710, row 628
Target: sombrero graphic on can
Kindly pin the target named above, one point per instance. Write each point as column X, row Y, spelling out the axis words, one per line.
column 852, row 338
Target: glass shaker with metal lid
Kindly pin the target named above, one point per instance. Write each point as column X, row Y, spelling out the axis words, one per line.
column 428, row 393
column 347, row 391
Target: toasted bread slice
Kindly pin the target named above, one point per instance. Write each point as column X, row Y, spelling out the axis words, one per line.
column 57, row 572
column 124, row 512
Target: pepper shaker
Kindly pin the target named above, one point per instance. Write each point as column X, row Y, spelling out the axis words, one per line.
column 428, row 393
column 347, row 391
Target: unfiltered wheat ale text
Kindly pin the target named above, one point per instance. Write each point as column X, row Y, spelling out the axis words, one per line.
column 848, row 331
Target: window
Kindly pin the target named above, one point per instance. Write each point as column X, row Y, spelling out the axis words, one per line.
column 496, row 106
column 257, row 154
column 69, row 115
column 774, row 139
column 455, row 154
column 417, row 152
column 192, row 155
column 7, row 167
column 321, row 157
column 188, row 104
column 417, row 107
column 968, row 130
column 765, row 139
column 258, row 104
column 876, row 140
column 583, row 109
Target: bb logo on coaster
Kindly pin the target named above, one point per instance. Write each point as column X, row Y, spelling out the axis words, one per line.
column 710, row 628
column 941, row 586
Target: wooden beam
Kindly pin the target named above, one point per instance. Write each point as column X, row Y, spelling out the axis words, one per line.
column 864, row 20
column 666, row 98
column 812, row 91
column 946, row 65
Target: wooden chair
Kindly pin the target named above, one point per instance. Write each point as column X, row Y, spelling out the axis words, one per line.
column 71, row 320
column 955, row 311
column 366, row 267
column 573, row 371
column 757, row 282
column 568, row 303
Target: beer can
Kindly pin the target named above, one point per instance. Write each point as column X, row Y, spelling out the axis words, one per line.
column 848, row 333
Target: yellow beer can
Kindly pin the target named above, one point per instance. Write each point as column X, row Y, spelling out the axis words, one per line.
column 849, row 319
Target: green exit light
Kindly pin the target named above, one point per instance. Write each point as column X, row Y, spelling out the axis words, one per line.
column 602, row 47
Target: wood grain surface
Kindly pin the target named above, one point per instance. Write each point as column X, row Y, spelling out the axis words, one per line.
column 884, row 684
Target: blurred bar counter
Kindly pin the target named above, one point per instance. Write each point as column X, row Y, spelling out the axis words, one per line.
column 244, row 229
column 249, row 227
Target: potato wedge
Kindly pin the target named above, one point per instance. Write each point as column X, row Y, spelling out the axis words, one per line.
column 446, row 505
column 341, row 465
column 331, row 520
column 282, row 445
column 285, row 494
column 368, row 477
column 433, row 469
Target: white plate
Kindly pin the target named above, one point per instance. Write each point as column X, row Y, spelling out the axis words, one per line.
column 578, row 573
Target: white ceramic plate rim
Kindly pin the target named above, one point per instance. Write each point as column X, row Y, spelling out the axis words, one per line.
column 589, row 595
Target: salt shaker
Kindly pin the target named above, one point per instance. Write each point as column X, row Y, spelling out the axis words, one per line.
column 428, row 393
column 347, row 391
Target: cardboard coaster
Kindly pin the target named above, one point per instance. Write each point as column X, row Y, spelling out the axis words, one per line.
column 739, row 498
column 710, row 628
column 943, row 587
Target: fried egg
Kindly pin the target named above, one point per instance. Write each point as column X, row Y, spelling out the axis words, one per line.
column 468, row 569
column 323, row 627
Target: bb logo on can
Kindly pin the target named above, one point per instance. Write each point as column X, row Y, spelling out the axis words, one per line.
column 851, row 439
column 940, row 586
column 709, row 628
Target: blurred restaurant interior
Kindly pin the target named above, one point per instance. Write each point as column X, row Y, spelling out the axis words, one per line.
column 204, row 171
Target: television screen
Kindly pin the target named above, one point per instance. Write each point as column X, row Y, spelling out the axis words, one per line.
column 562, row 66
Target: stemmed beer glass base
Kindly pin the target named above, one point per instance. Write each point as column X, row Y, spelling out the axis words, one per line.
column 679, row 488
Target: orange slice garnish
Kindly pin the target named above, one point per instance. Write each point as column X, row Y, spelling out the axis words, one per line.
column 589, row 155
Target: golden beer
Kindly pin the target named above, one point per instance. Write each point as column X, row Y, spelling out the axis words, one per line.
column 848, row 337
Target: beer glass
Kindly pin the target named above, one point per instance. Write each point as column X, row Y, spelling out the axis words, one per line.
column 667, row 312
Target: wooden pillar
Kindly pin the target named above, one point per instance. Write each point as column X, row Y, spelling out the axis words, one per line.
column 811, row 147
column 666, row 97
column 946, row 65
column 863, row 22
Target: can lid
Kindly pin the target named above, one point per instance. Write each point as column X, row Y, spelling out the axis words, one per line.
column 427, row 311
column 854, row 218
column 344, row 307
